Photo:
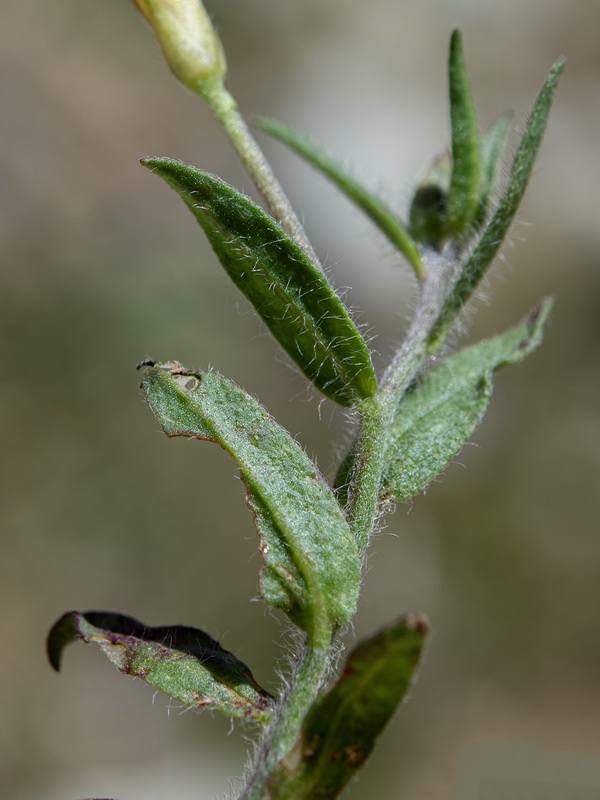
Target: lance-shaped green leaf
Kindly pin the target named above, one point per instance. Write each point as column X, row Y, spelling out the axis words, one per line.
column 374, row 207
column 185, row 663
column 440, row 412
column 467, row 163
column 290, row 293
column 341, row 729
column 494, row 143
column 311, row 566
column 493, row 235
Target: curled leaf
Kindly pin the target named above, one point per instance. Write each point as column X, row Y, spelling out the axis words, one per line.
column 311, row 565
column 439, row 412
column 342, row 727
column 290, row 293
column 185, row 663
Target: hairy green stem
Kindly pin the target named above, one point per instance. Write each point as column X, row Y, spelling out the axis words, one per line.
column 309, row 675
column 225, row 109
column 377, row 413
column 365, row 478
column 365, row 474
column 442, row 272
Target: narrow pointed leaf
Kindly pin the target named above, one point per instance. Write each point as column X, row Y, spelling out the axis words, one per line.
column 374, row 207
column 467, row 166
column 493, row 235
column 494, row 144
column 291, row 294
column 184, row 663
column 440, row 412
column 342, row 727
column 311, row 566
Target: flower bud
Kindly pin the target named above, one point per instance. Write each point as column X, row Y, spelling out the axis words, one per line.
column 428, row 214
column 188, row 41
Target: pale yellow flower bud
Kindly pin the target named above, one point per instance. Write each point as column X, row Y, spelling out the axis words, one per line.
column 188, row 41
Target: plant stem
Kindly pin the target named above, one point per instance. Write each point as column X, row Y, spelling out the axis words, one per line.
column 365, row 475
column 377, row 413
column 308, row 677
column 442, row 272
column 225, row 109
column 315, row 659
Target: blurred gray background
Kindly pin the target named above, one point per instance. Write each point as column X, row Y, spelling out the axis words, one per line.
column 102, row 266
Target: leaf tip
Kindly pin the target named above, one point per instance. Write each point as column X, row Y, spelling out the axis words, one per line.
column 59, row 636
column 536, row 322
column 151, row 162
column 455, row 36
column 147, row 362
column 541, row 312
column 417, row 622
